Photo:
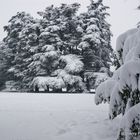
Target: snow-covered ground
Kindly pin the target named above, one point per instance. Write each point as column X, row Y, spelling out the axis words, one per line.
column 54, row 117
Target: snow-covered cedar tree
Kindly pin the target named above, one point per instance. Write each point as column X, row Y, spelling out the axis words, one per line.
column 58, row 29
column 122, row 90
column 95, row 42
column 32, row 54
column 95, row 46
column 22, row 43
column 87, row 34
column 61, row 23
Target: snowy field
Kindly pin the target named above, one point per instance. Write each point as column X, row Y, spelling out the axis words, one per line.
column 54, row 117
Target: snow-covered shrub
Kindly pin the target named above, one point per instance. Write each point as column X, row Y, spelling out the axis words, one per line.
column 48, row 82
column 123, row 92
column 73, row 63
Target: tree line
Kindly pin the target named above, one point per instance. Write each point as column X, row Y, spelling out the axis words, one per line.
column 56, row 49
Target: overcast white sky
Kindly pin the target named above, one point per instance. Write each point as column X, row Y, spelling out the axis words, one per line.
column 123, row 12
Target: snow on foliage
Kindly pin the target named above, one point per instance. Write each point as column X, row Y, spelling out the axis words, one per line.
column 52, row 82
column 48, row 48
column 124, row 90
column 103, row 92
column 115, row 102
column 127, row 123
column 121, row 40
column 100, row 77
column 51, row 54
column 116, row 74
column 67, row 77
column 72, row 66
column 83, row 45
column 128, row 76
column 73, row 63
column 131, row 41
column 95, row 41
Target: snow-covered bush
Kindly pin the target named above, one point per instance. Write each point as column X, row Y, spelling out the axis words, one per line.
column 122, row 91
column 73, row 64
column 48, row 82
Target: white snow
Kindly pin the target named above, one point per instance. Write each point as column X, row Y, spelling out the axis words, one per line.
column 103, row 92
column 68, row 78
column 131, row 41
column 83, row 45
column 51, row 54
column 73, row 63
column 100, row 77
column 54, row 117
column 128, row 75
column 128, row 119
column 48, row 48
column 52, row 82
column 121, row 40
column 115, row 102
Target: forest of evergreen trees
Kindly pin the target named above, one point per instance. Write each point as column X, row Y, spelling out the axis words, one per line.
column 58, row 49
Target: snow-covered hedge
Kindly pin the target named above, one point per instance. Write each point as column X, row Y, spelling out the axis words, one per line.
column 44, row 82
column 122, row 91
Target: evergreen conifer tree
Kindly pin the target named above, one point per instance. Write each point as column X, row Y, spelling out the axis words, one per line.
column 123, row 89
column 96, row 43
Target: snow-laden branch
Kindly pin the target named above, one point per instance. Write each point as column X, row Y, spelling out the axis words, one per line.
column 122, row 91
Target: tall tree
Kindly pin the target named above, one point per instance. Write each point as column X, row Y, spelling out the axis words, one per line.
column 22, row 42
column 62, row 22
column 96, row 40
